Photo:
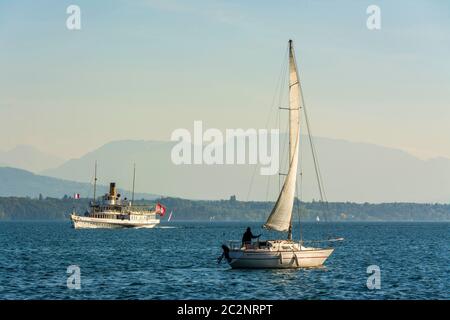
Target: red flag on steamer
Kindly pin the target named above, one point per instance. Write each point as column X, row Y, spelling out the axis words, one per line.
column 160, row 209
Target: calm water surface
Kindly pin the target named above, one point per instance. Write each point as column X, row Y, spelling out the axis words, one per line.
column 178, row 261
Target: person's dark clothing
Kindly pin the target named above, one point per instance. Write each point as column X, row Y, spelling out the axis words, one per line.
column 248, row 236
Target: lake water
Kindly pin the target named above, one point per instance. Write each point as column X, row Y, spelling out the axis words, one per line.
column 178, row 261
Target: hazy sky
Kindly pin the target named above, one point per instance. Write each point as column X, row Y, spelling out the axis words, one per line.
column 140, row 69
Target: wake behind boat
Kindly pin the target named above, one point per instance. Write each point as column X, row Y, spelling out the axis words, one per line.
column 281, row 253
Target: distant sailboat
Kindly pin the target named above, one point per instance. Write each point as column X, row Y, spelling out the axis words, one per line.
column 281, row 253
column 170, row 216
column 317, row 219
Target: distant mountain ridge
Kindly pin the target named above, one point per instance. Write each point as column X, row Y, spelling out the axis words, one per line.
column 356, row 172
column 20, row 183
column 28, row 158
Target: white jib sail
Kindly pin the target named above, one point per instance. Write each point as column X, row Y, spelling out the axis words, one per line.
column 281, row 215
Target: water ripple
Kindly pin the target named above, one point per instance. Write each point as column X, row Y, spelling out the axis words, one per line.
column 179, row 262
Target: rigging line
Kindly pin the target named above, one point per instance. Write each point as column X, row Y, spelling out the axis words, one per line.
column 267, row 188
column 284, row 70
column 298, row 213
column 280, row 101
column 279, row 137
column 277, row 85
column 251, row 183
column 284, row 155
column 269, row 176
column 297, row 145
column 91, row 186
column 301, row 162
column 327, row 210
column 299, row 189
column 94, row 185
column 320, row 182
column 283, row 158
column 314, row 155
column 315, row 159
column 319, row 171
column 320, row 175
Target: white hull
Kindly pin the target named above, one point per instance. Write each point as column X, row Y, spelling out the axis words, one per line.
column 279, row 260
column 278, row 255
column 80, row 222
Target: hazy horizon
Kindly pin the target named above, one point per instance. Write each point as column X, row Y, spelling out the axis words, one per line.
column 36, row 148
column 139, row 71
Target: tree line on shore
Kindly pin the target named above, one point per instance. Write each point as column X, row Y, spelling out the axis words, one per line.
column 47, row 208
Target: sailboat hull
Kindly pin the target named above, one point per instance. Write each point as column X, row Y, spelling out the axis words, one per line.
column 288, row 260
column 274, row 257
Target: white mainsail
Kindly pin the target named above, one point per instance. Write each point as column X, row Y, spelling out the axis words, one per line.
column 281, row 215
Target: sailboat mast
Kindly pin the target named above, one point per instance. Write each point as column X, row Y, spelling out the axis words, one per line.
column 134, row 179
column 95, row 180
column 293, row 117
column 280, row 219
column 291, row 60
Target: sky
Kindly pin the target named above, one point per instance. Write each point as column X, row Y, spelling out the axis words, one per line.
column 141, row 69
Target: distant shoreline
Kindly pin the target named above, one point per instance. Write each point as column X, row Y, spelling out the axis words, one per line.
column 48, row 209
column 165, row 223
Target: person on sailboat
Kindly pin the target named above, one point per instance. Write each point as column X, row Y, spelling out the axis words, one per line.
column 248, row 236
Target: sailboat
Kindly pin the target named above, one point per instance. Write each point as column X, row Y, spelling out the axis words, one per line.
column 282, row 253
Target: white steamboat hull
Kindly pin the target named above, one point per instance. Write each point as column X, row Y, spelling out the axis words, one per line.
column 260, row 259
column 96, row 223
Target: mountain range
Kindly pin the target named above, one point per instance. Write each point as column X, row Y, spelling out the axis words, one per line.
column 21, row 183
column 28, row 158
column 357, row 172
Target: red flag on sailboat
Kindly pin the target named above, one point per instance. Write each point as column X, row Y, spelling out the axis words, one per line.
column 160, row 209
